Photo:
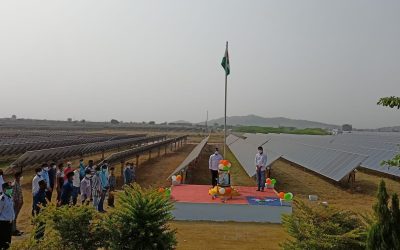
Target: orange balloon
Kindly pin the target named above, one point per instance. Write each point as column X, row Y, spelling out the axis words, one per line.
column 221, row 162
column 281, row 195
column 161, row 190
column 225, row 162
column 178, row 177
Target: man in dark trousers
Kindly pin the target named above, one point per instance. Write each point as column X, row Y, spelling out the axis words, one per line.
column 7, row 215
column 67, row 189
column 52, row 179
column 213, row 166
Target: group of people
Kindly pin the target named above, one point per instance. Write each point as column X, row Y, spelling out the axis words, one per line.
column 92, row 183
column 263, row 170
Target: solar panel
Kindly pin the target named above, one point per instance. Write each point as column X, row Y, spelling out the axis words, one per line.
column 191, row 157
column 245, row 154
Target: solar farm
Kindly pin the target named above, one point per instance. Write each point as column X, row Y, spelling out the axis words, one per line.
column 334, row 157
column 302, row 164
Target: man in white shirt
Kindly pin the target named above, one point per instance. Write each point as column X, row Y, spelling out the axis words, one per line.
column 213, row 166
column 35, row 184
column 261, row 164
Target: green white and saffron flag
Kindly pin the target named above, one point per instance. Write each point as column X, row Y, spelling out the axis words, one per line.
column 225, row 62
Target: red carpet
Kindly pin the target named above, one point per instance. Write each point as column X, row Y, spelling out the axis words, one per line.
column 199, row 194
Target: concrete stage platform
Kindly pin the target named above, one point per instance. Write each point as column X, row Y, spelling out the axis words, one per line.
column 192, row 202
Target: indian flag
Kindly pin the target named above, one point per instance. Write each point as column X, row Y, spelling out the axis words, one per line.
column 225, row 62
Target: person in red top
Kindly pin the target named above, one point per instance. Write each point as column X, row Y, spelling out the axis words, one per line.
column 67, row 170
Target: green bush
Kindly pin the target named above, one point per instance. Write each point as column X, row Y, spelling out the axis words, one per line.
column 76, row 227
column 140, row 220
column 323, row 228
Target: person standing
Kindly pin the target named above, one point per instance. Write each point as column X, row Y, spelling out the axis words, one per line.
column 261, row 163
column 96, row 188
column 86, row 189
column 52, row 180
column 46, row 177
column 35, row 184
column 67, row 170
column 104, row 187
column 213, row 166
column 1, row 181
column 67, row 190
column 6, row 216
column 18, row 202
column 76, row 183
column 59, row 181
column 39, row 199
column 82, row 169
column 112, row 180
column 127, row 174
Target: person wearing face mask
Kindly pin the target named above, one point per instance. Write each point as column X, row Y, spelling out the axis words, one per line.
column 127, row 174
column 104, row 186
column 67, row 170
column 86, row 189
column 46, row 178
column 96, row 187
column 213, row 166
column 76, row 182
column 35, row 184
column 6, row 215
column 261, row 163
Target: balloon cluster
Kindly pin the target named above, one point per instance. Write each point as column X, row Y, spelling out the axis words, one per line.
column 176, row 179
column 224, row 165
column 165, row 191
column 220, row 191
column 270, row 181
column 285, row 196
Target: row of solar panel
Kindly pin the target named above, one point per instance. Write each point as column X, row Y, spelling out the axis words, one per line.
column 19, row 148
column 39, row 156
column 130, row 153
column 191, row 157
column 351, row 143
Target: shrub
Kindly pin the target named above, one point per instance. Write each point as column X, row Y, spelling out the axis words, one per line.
column 384, row 232
column 323, row 228
column 76, row 227
column 140, row 220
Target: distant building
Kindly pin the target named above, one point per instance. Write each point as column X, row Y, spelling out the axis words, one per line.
column 14, row 117
column 347, row 127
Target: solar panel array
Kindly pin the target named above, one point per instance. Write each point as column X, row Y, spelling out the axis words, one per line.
column 130, row 153
column 245, row 154
column 40, row 156
column 191, row 157
column 14, row 146
column 375, row 147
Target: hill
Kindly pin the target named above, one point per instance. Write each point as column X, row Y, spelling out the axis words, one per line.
column 254, row 120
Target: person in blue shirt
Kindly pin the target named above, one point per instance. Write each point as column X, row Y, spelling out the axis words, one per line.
column 46, row 178
column 82, row 169
column 128, row 178
column 39, row 198
column 104, row 186
column 67, row 190
column 6, row 215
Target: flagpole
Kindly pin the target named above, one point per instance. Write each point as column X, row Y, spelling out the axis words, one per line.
column 226, row 86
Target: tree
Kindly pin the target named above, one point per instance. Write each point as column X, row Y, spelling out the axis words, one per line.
column 323, row 228
column 113, row 121
column 152, row 122
column 384, row 233
column 140, row 220
column 392, row 102
column 69, row 120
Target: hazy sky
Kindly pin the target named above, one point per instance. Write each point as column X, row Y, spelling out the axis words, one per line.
column 327, row 61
